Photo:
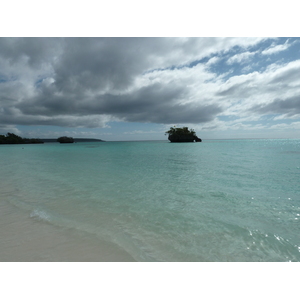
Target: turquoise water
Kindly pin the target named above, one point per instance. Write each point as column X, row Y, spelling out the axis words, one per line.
column 219, row 200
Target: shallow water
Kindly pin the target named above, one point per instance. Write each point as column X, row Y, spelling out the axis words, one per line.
column 219, row 200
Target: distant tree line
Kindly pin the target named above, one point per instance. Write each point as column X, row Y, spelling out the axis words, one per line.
column 11, row 138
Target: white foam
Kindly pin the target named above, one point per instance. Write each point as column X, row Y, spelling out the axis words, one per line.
column 40, row 215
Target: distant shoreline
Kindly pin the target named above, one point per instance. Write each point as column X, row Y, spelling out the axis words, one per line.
column 75, row 140
column 11, row 138
column 42, row 141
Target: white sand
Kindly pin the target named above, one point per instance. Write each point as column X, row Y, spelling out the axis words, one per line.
column 25, row 239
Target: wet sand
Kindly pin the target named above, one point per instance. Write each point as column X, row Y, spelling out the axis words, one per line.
column 25, row 239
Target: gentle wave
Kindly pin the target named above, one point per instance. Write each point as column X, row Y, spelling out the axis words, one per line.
column 40, row 215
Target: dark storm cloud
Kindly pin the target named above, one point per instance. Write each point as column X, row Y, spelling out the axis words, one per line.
column 32, row 51
column 63, row 81
column 289, row 106
column 157, row 103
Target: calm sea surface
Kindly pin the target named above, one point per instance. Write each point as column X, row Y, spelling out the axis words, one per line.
column 219, row 200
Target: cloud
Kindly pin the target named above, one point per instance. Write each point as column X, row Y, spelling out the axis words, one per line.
column 8, row 128
column 276, row 48
column 213, row 60
column 134, row 132
column 284, row 126
column 241, row 57
column 288, row 107
column 88, row 82
column 65, row 81
column 276, row 90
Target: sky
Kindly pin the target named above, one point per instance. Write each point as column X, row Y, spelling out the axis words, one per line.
column 136, row 88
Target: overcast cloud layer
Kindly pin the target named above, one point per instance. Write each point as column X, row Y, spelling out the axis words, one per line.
column 213, row 83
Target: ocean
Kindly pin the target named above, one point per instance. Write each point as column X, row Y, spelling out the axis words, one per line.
column 215, row 201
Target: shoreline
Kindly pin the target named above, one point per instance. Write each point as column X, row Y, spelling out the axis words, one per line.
column 25, row 239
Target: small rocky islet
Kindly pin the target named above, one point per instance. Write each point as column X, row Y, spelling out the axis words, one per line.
column 182, row 135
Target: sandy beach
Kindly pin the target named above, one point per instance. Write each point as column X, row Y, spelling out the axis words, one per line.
column 26, row 239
